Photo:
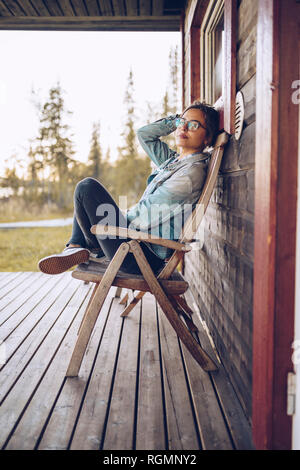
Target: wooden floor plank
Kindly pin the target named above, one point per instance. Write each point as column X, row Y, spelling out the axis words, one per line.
column 20, row 350
column 58, row 432
column 120, row 425
column 16, row 298
column 15, row 288
column 182, row 431
column 237, row 423
column 28, row 431
column 6, row 278
column 212, row 428
column 45, row 287
column 150, row 433
column 16, row 280
column 89, row 429
column 17, row 399
column 143, row 392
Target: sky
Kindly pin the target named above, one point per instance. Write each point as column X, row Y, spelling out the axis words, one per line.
column 92, row 68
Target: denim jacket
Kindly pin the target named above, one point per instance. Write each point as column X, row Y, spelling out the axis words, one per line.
column 173, row 188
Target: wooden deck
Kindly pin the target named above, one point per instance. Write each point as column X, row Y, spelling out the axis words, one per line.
column 137, row 389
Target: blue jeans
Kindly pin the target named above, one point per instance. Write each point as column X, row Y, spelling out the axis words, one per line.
column 92, row 205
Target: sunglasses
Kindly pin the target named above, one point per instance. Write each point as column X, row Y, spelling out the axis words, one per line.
column 191, row 125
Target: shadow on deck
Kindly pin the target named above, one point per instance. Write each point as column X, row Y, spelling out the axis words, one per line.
column 137, row 388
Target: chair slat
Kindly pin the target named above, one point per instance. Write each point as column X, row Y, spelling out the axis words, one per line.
column 93, row 272
column 193, row 222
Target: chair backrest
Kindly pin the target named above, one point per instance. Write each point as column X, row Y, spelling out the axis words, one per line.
column 193, row 222
column 191, row 226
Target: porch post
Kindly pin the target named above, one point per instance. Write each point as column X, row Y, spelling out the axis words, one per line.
column 275, row 221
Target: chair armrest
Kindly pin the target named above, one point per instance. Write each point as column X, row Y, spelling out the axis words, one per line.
column 140, row 236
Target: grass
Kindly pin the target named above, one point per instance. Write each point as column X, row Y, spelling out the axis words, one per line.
column 17, row 210
column 22, row 248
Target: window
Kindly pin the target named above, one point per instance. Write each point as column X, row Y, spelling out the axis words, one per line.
column 213, row 56
column 218, row 61
column 212, row 52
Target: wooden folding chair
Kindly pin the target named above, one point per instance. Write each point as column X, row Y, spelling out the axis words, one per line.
column 167, row 287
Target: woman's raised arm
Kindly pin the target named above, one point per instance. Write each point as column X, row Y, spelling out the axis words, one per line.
column 149, row 138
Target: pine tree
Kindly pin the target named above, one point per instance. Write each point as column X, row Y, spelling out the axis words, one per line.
column 151, row 113
column 54, row 147
column 31, row 193
column 129, row 149
column 107, row 172
column 170, row 99
column 174, row 76
column 131, row 170
column 99, row 167
column 95, row 155
column 11, row 180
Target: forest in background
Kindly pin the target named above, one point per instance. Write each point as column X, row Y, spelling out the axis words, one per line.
column 51, row 170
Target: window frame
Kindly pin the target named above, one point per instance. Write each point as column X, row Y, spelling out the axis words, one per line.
column 210, row 21
column 205, row 18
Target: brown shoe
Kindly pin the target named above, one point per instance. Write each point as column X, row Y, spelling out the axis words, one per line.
column 56, row 264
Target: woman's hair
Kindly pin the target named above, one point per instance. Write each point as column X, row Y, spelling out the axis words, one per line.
column 211, row 117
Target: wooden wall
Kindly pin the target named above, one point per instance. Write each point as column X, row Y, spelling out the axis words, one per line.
column 221, row 274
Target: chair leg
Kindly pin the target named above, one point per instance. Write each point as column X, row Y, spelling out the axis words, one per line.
column 139, row 296
column 94, row 310
column 182, row 302
column 184, row 334
column 132, row 304
column 89, row 303
column 118, row 292
column 177, row 306
column 124, row 299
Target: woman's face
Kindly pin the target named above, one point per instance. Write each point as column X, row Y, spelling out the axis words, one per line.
column 192, row 141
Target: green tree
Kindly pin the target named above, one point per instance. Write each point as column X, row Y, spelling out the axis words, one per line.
column 174, row 78
column 95, row 155
column 170, row 99
column 99, row 166
column 151, row 113
column 107, row 172
column 11, row 180
column 32, row 188
column 131, row 169
column 54, row 148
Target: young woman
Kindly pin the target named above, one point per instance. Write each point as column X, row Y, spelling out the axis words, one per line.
column 172, row 190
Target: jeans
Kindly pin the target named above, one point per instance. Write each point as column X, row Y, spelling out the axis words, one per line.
column 92, row 205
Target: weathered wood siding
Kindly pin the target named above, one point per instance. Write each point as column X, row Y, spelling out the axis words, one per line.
column 221, row 273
